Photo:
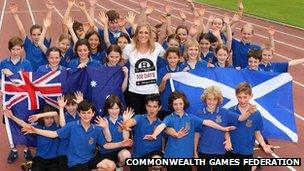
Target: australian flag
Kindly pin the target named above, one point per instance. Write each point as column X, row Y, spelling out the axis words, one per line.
column 26, row 92
column 272, row 94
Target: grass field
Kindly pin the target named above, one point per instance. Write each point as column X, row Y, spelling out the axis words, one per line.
column 285, row 11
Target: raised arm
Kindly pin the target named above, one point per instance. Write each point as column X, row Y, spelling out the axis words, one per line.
column 61, row 104
column 124, row 84
column 29, row 129
column 69, row 25
column 168, row 10
column 163, row 82
column 105, row 21
column 47, row 21
column 131, row 20
column 271, row 32
column 103, row 123
column 228, row 32
column 192, row 7
column 183, row 17
column 209, row 22
column 14, row 8
column 10, row 115
column 92, row 4
column 34, row 118
column 295, row 62
column 83, row 9
column 66, row 15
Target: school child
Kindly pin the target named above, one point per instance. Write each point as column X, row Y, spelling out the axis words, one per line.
column 205, row 45
column 182, row 31
column 95, row 46
column 34, row 53
column 267, row 65
column 123, row 40
column 215, row 26
column 209, row 141
column 113, row 115
column 65, row 45
column 9, row 66
column 83, row 137
column 82, row 49
column 172, row 55
column 243, row 138
column 142, row 125
column 222, row 55
column 179, row 119
column 46, row 151
column 53, row 56
column 254, row 60
column 192, row 57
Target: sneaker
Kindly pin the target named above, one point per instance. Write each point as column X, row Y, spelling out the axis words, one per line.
column 28, row 155
column 119, row 168
column 12, row 156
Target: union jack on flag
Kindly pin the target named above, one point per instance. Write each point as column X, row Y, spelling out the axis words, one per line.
column 32, row 87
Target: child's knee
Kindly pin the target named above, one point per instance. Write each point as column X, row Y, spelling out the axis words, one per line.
column 106, row 164
column 123, row 154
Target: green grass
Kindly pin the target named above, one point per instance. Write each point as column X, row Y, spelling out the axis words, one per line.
column 285, row 11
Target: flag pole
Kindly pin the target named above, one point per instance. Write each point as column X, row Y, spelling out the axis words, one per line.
column 7, row 123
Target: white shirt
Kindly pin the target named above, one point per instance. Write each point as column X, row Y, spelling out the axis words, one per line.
column 143, row 69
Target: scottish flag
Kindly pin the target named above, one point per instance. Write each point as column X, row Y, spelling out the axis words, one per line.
column 272, row 94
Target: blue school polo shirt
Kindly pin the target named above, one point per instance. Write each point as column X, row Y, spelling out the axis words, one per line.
column 21, row 65
column 34, row 54
column 211, row 140
column 67, row 57
column 82, row 143
column 116, row 134
column 199, row 64
column 112, row 36
column 240, row 51
column 181, row 147
column 164, row 96
column 92, row 64
column 243, row 138
column 64, row 143
column 47, row 147
column 144, row 127
column 209, row 56
column 47, row 68
column 216, row 64
column 99, row 56
column 275, row 67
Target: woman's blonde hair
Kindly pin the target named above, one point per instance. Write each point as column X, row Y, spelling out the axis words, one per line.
column 216, row 91
column 190, row 43
column 151, row 41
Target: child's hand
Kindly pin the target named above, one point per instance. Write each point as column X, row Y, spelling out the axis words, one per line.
column 252, row 109
column 69, row 22
column 168, row 7
column 8, row 113
column 126, row 143
column 236, row 17
column 102, row 122
column 79, row 97
column 47, row 21
column 82, row 65
column 150, row 137
column 61, row 102
column 267, row 149
column 7, row 72
column 92, row 2
column 103, row 18
column 71, row 3
column 13, row 7
column 271, row 31
column 210, row 65
column 200, row 10
column 182, row 15
column 121, row 22
column 82, row 6
column 33, row 118
column 229, row 128
column 143, row 4
column 228, row 145
column 28, row 129
column 149, row 10
column 211, row 18
column 49, row 4
column 240, row 5
column 226, row 18
column 196, row 155
column 128, row 114
column 167, row 77
column 130, row 17
column 182, row 132
column 125, row 70
column 123, row 126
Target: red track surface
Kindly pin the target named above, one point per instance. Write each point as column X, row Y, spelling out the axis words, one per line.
column 289, row 45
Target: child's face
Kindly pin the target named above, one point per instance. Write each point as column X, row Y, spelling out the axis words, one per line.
column 143, row 35
column 114, row 58
column 193, row 52
column 247, row 35
column 212, row 101
column 267, row 55
column 48, row 121
column 205, row 45
column 178, row 105
column 152, row 108
column 79, row 32
column 173, row 43
column 222, row 56
column 16, row 51
column 64, row 45
column 94, row 42
column 217, row 24
column 113, row 25
column 71, row 108
column 114, row 111
column 253, row 63
column 214, row 45
column 54, row 59
column 86, row 116
column 243, row 99
column 122, row 42
column 35, row 35
column 83, row 52
column 182, row 34
column 172, row 59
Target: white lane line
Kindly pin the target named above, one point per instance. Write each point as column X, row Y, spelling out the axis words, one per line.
column 289, row 167
column 31, row 13
column 2, row 13
column 186, row 6
column 300, row 117
column 57, row 11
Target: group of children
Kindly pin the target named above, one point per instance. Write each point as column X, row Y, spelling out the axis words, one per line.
column 68, row 140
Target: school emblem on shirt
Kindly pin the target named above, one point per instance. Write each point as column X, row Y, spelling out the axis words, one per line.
column 91, row 140
column 249, row 123
column 218, row 119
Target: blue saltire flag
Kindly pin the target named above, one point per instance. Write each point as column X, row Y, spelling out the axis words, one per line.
column 272, row 94
column 26, row 92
